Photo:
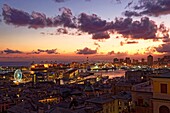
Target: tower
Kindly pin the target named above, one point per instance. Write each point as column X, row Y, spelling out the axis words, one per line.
column 150, row 60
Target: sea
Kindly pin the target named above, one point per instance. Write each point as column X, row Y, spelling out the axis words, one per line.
column 17, row 64
column 109, row 73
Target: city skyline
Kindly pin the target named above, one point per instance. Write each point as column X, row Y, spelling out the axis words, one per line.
column 65, row 29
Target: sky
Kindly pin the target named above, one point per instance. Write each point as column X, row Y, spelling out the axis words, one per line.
column 77, row 29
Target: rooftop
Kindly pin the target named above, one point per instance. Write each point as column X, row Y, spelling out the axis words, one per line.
column 143, row 87
column 100, row 100
column 162, row 75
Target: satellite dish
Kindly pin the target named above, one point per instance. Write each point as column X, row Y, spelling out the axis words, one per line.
column 18, row 75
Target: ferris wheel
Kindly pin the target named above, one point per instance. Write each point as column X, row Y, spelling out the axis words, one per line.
column 18, row 75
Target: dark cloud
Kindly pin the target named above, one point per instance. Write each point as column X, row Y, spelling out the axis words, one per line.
column 164, row 48
column 117, row 54
column 66, row 18
column 129, row 4
column 86, row 51
column 39, row 20
column 164, row 31
column 10, row 51
column 143, row 29
column 131, row 42
column 62, row 31
column 121, row 43
column 91, row 23
column 97, row 44
column 52, row 51
column 120, row 54
column 43, row 33
column 36, row 19
column 101, row 35
column 39, row 51
column 1, row 52
column 153, row 7
column 15, row 16
column 131, row 13
column 150, row 50
column 60, row 1
column 84, row 23
column 34, row 52
column 0, row 18
column 111, row 53
column 50, row 33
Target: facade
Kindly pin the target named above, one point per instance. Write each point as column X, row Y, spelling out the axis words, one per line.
column 161, row 94
column 150, row 60
column 108, row 104
column 141, row 97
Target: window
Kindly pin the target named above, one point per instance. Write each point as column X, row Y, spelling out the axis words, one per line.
column 164, row 109
column 163, row 88
column 140, row 102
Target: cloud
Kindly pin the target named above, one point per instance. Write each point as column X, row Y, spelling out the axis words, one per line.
column 66, row 18
column 36, row 19
column 121, row 54
column 15, row 16
column 97, row 44
column 86, row 51
column 43, row 33
column 10, row 51
column 131, row 13
column 48, row 51
column 0, row 18
column 100, row 36
column 150, row 50
column 34, row 52
column 121, row 43
column 131, row 42
column 39, row 51
column 1, row 52
column 118, row 54
column 60, row 1
column 163, row 32
column 153, row 7
column 39, row 20
column 85, row 23
column 62, row 31
column 111, row 53
column 143, row 29
column 91, row 23
column 164, row 48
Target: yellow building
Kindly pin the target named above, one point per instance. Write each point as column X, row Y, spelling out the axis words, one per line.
column 161, row 93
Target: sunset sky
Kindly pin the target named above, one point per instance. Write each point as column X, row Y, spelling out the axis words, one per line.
column 74, row 29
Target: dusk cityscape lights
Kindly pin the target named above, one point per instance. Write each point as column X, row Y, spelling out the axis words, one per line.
column 84, row 56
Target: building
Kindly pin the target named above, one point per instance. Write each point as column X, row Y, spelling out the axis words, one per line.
column 127, row 60
column 161, row 93
column 142, row 61
column 137, row 76
column 124, row 101
column 107, row 103
column 115, row 60
column 150, row 60
column 141, row 97
column 152, row 96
